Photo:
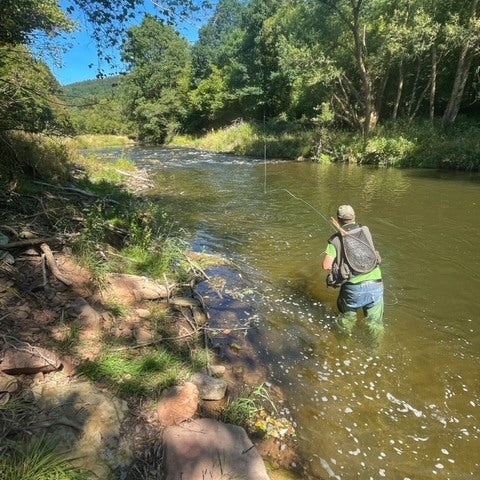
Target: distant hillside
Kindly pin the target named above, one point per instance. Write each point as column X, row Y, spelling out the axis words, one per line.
column 92, row 89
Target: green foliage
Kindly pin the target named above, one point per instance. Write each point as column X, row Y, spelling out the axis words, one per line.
column 37, row 459
column 30, row 96
column 157, row 86
column 20, row 19
column 97, row 107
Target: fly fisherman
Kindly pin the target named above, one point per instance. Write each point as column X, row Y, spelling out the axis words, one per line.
column 353, row 265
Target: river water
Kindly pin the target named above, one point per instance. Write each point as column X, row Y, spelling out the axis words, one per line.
column 408, row 408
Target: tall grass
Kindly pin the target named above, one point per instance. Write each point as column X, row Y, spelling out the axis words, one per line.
column 36, row 155
column 101, row 141
column 250, row 139
column 37, row 459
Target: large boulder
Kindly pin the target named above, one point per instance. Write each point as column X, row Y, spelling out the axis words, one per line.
column 85, row 421
column 207, row 448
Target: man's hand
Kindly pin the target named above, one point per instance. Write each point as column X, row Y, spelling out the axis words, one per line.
column 328, row 262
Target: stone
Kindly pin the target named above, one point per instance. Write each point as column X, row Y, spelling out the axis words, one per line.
column 29, row 360
column 143, row 312
column 8, row 384
column 134, row 288
column 85, row 421
column 184, row 302
column 178, row 404
column 218, row 370
column 207, row 448
column 210, row 388
column 88, row 319
column 199, row 316
column 143, row 335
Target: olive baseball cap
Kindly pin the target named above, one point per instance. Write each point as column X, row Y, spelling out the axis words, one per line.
column 345, row 212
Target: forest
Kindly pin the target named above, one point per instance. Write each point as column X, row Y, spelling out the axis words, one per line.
column 372, row 80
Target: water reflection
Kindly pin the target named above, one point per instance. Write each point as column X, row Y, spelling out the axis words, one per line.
column 408, row 409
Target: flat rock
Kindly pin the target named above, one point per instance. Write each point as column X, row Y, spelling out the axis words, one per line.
column 29, row 360
column 134, row 288
column 85, row 421
column 178, row 404
column 210, row 388
column 207, row 448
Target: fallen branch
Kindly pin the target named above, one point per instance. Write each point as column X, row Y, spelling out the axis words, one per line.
column 8, row 229
column 68, row 189
column 196, row 267
column 77, row 190
column 30, row 242
column 53, row 266
column 138, row 177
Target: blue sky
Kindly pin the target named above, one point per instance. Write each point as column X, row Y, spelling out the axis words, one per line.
column 76, row 60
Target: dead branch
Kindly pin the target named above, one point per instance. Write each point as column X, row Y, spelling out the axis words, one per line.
column 137, row 177
column 53, row 266
column 29, row 242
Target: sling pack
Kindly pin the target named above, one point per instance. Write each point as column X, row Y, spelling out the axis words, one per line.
column 356, row 254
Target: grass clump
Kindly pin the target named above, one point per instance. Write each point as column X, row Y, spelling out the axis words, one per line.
column 37, row 459
column 132, row 373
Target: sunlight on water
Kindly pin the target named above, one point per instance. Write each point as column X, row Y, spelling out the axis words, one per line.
column 406, row 409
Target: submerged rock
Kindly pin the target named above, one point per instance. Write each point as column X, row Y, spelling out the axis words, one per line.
column 207, row 448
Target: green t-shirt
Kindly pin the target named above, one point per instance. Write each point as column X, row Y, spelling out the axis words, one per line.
column 375, row 274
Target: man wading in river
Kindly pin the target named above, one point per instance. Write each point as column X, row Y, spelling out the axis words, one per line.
column 353, row 263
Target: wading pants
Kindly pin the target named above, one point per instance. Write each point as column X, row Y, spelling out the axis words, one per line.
column 367, row 296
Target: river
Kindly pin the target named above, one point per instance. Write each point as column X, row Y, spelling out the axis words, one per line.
column 408, row 408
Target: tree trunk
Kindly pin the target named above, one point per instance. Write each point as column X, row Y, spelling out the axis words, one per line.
column 461, row 75
column 433, row 83
column 399, row 90
column 414, row 88
column 370, row 114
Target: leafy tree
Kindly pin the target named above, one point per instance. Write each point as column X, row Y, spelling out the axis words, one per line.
column 30, row 96
column 210, row 48
column 21, row 18
column 158, row 83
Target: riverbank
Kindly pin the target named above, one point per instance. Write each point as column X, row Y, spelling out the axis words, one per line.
column 415, row 145
column 99, row 334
